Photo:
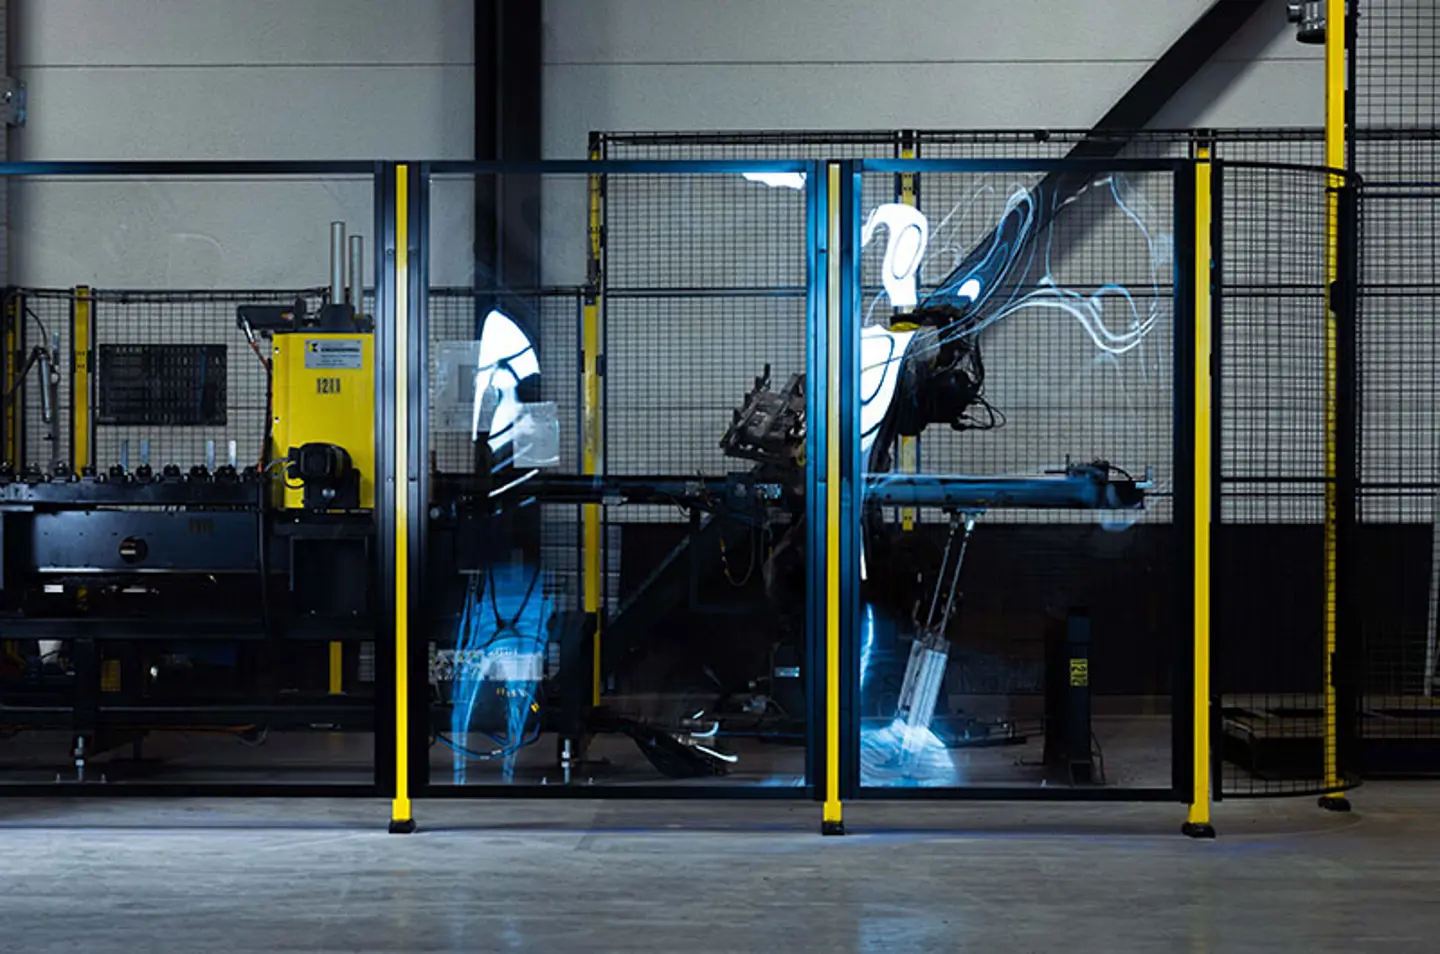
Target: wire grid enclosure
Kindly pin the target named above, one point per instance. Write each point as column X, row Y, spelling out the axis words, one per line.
column 1270, row 321
column 704, row 287
column 1295, row 144
column 551, row 318
column 159, row 318
column 1395, row 144
column 1399, row 486
column 1078, row 345
column 1396, row 70
column 1024, row 431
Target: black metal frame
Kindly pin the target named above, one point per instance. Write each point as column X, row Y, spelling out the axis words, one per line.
column 381, row 709
column 1183, row 441
column 422, row 785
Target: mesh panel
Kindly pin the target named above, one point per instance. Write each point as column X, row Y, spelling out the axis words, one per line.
column 1082, row 369
column 121, row 318
column 197, row 319
column 1270, row 338
column 704, row 286
column 1396, row 146
column 749, row 145
column 552, row 316
column 1395, row 69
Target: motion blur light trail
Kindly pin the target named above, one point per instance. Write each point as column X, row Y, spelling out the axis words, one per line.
column 896, row 754
column 500, row 646
column 1009, row 272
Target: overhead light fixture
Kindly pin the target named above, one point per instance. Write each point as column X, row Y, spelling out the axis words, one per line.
column 778, row 180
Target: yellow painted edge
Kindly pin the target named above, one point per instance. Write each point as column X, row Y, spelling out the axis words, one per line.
column 80, row 380
column 833, row 809
column 591, row 451
column 337, row 667
column 1199, row 813
column 1335, row 159
column 400, row 807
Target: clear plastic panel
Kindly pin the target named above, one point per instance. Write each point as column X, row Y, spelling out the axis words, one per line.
column 171, row 620
column 698, row 295
column 1017, row 353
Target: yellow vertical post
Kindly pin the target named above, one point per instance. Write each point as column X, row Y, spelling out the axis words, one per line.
column 909, row 444
column 401, row 817
column 1335, row 159
column 14, row 315
column 832, row 821
column 81, row 333
column 1197, row 822
column 592, row 437
column 337, row 667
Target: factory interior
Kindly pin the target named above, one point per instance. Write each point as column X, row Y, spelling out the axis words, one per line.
column 625, row 475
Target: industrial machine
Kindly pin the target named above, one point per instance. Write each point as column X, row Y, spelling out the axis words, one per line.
column 745, row 679
column 233, row 593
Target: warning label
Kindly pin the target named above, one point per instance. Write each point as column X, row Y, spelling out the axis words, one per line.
column 1079, row 672
column 328, row 355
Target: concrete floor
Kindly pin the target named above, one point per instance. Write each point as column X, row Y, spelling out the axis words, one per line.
column 560, row 877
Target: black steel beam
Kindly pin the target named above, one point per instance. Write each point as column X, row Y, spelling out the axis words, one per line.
column 1079, row 487
column 1178, row 65
column 508, row 49
column 1140, row 104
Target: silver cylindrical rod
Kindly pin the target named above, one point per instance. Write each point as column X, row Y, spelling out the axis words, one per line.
column 210, row 454
column 233, row 459
column 337, row 262
column 125, row 454
column 145, row 450
column 357, row 273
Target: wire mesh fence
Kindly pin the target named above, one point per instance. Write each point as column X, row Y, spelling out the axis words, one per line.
column 1398, row 541
column 1395, row 145
column 1274, row 463
column 177, row 416
column 1060, row 396
column 550, row 318
column 704, row 291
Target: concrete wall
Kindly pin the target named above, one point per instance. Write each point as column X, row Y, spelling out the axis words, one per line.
column 216, row 79
column 848, row 64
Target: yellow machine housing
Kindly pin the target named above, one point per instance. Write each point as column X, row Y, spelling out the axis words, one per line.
column 323, row 391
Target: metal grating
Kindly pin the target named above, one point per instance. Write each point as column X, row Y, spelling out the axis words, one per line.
column 704, row 285
column 1395, row 144
column 1083, row 370
column 552, row 317
column 1270, row 457
column 191, row 319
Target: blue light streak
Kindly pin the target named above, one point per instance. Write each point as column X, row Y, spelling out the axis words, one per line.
column 500, row 646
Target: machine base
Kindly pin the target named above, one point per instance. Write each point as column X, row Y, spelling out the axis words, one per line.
column 405, row 827
column 832, row 828
column 1335, row 803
